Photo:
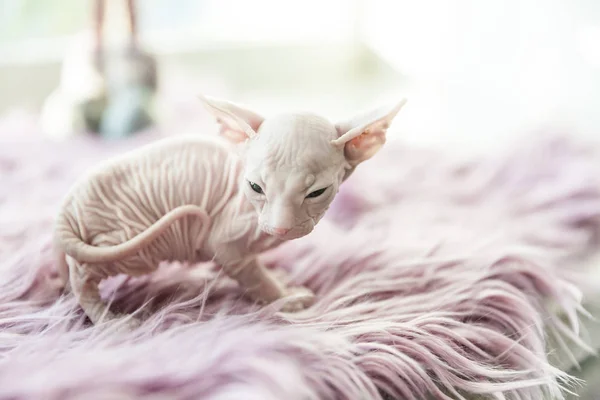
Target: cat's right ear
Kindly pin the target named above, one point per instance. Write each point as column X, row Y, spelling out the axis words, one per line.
column 237, row 122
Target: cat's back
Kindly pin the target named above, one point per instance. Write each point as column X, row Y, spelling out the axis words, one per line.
column 126, row 194
column 163, row 174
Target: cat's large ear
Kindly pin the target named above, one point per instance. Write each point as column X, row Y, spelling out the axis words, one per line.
column 237, row 122
column 364, row 135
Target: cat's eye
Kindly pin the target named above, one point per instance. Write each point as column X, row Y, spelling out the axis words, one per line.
column 256, row 188
column 316, row 193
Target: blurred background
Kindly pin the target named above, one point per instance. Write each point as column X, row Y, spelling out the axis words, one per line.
column 477, row 74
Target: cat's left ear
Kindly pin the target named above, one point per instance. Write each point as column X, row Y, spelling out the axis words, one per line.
column 364, row 135
column 237, row 123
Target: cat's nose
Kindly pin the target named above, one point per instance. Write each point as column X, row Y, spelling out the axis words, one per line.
column 280, row 231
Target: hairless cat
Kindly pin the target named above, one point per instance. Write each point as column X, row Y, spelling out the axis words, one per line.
column 225, row 198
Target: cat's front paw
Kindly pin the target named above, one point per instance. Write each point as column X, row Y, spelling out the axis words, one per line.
column 298, row 298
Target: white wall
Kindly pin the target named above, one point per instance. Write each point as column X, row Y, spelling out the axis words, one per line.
column 485, row 70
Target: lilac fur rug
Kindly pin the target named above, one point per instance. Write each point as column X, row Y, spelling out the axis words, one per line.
column 436, row 276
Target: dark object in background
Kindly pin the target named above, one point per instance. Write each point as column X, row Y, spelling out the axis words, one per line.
column 118, row 102
column 130, row 87
column 131, row 81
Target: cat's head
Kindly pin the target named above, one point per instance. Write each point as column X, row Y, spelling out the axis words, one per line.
column 295, row 163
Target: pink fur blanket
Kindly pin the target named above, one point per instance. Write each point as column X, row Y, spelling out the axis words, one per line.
column 436, row 276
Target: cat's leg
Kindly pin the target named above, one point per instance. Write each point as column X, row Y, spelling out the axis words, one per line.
column 84, row 284
column 263, row 286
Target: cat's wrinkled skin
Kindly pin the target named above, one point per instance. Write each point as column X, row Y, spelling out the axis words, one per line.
column 199, row 198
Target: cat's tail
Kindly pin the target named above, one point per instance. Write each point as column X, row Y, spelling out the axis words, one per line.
column 71, row 244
